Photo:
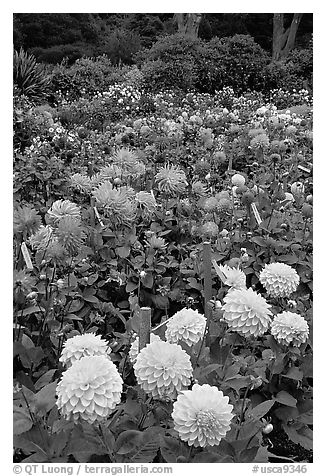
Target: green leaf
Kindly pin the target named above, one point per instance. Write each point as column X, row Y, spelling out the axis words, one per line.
column 160, row 302
column 300, row 435
column 295, row 374
column 146, row 453
column 32, row 310
column 27, row 342
column 22, row 420
column 170, row 448
column 248, row 455
column 148, row 280
column 45, row 399
column 128, row 441
column 286, row 399
column 260, row 410
column 123, row 251
column 45, row 379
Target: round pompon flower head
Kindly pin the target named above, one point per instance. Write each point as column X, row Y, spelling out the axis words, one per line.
column 235, row 278
column 81, row 346
column 238, row 180
column 279, row 279
column 290, row 327
column 134, row 349
column 246, row 312
column 202, row 415
column 187, row 326
column 89, row 390
column 163, row 370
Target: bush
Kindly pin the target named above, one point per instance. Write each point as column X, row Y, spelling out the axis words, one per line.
column 86, row 76
column 237, row 62
column 120, row 46
column 30, row 77
column 172, row 62
column 295, row 72
column 185, row 62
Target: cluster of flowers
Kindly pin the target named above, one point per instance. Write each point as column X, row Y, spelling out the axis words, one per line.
column 91, row 387
column 249, row 314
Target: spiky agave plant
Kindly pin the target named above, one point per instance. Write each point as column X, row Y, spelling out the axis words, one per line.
column 30, row 77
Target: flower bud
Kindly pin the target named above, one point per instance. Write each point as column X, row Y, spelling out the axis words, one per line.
column 267, row 429
column 306, row 210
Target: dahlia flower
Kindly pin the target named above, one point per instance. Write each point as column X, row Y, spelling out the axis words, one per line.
column 238, row 180
column 116, row 203
column 134, row 349
column 171, row 179
column 186, row 326
column 224, row 206
column 89, row 390
column 210, row 229
column 23, row 281
column 81, row 346
column 81, row 182
column 297, row 188
column 42, row 238
column 127, row 161
column 163, row 370
column 210, row 204
column 199, row 188
column 146, row 200
column 157, row 243
column 260, row 141
column 202, row 415
column 26, row 220
column 279, row 279
column 290, row 327
column 70, row 234
column 246, row 312
column 61, row 209
column 235, row 278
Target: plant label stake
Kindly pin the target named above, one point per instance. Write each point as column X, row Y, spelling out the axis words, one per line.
column 207, row 263
column 256, row 213
column 304, row 169
column 98, row 217
column 26, row 256
column 145, row 327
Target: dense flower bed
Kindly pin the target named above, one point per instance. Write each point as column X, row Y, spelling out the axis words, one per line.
column 114, row 196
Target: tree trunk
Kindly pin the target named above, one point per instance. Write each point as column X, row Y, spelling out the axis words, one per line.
column 284, row 39
column 188, row 23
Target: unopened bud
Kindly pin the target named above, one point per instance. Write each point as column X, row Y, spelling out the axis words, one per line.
column 268, row 429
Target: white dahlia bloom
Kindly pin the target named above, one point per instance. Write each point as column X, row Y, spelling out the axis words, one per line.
column 163, row 370
column 89, row 390
column 202, row 415
column 290, row 327
column 279, row 279
column 235, row 278
column 61, row 209
column 246, row 312
column 187, row 326
column 134, row 349
column 81, row 346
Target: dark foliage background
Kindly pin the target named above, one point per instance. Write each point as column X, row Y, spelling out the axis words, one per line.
column 53, row 36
